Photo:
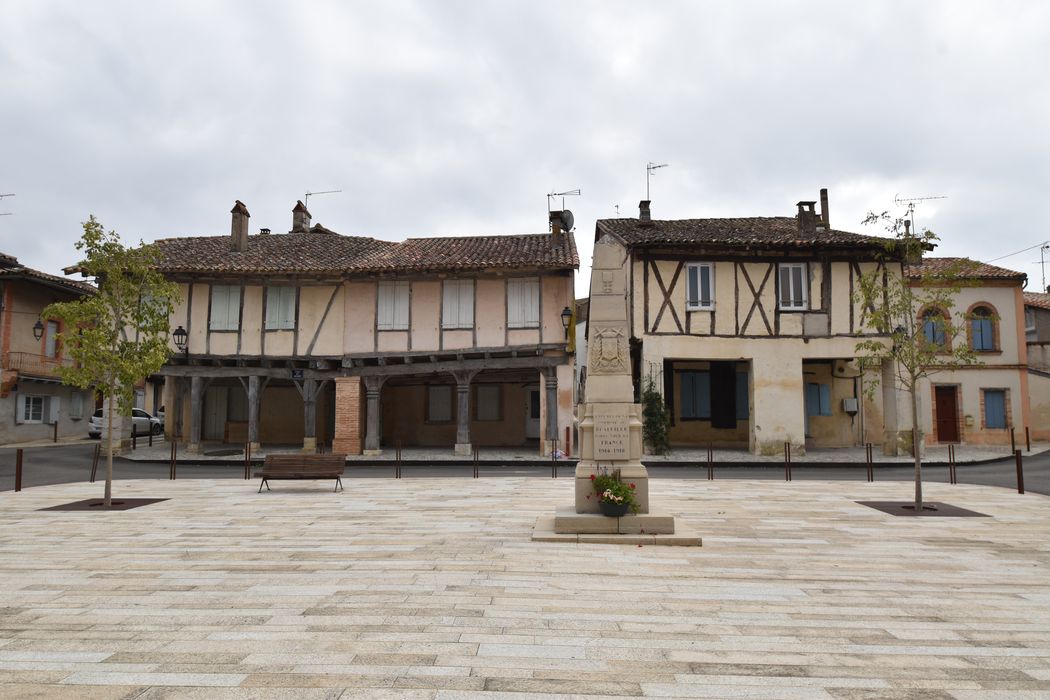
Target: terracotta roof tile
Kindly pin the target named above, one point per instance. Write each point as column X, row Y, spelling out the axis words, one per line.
column 781, row 231
column 11, row 269
column 1037, row 299
column 323, row 251
column 970, row 269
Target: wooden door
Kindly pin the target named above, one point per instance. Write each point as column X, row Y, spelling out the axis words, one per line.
column 947, row 413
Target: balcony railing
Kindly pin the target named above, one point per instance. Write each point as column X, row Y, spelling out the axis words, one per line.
column 33, row 363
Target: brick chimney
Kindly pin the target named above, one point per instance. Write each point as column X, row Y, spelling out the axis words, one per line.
column 239, row 227
column 643, row 211
column 807, row 217
column 555, row 220
column 824, row 208
column 300, row 218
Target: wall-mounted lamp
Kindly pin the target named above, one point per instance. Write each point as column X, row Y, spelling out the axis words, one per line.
column 179, row 336
column 38, row 329
column 566, row 318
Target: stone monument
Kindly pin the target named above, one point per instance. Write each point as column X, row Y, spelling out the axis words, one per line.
column 610, row 422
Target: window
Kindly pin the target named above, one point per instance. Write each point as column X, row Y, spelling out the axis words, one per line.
column 225, row 308
column 280, row 308
column 33, row 409
column 982, row 329
column 818, row 399
column 700, row 286
column 696, row 395
column 76, row 405
column 793, row 284
column 392, row 314
column 994, row 408
column 487, row 402
column 457, row 304
column 933, row 326
column 51, row 339
column 523, row 302
column 1029, row 319
column 439, row 404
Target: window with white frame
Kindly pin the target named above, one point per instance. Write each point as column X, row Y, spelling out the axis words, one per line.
column 76, row 405
column 280, row 308
column 31, row 408
column 225, row 308
column 700, row 286
column 457, row 304
column 793, row 286
column 1029, row 319
column 439, row 403
column 487, row 402
column 392, row 312
column 523, row 302
column 51, row 339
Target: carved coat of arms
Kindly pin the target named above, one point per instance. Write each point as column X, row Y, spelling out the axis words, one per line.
column 608, row 351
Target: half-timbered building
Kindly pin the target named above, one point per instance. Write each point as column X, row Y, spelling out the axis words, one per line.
column 312, row 337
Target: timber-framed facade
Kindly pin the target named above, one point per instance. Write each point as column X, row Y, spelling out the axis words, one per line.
column 358, row 344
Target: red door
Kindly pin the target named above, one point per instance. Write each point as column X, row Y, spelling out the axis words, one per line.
column 947, row 413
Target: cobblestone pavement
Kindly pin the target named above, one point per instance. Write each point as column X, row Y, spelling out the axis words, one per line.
column 431, row 588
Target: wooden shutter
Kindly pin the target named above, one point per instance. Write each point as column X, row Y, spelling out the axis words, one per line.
column 273, row 308
column 401, row 305
column 385, row 311
column 20, row 409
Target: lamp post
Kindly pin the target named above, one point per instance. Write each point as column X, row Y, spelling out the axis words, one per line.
column 180, row 336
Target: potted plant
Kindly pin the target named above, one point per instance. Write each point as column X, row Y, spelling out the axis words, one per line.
column 615, row 497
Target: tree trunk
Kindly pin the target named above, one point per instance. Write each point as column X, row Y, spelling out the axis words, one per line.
column 108, row 498
column 915, row 447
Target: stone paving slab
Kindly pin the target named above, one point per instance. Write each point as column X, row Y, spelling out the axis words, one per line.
column 432, row 588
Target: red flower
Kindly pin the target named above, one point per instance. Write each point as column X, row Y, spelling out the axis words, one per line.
column 632, row 486
column 592, row 477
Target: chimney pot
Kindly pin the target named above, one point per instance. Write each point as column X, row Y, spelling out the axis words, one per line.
column 824, row 214
column 264, row 232
column 807, row 217
column 643, row 210
column 300, row 218
column 239, row 227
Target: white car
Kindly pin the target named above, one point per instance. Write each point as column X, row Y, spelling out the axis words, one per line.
column 142, row 422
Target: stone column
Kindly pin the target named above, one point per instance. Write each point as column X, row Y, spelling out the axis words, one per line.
column 550, row 383
column 196, row 406
column 309, row 391
column 348, row 412
column 463, row 379
column 373, row 406
column 253, row 412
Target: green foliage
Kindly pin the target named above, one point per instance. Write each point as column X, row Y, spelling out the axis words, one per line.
column 119, row 335
column 610, row 489
column 655, row 420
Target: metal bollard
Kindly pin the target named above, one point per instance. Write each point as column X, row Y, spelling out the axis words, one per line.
column 397, row 460
column 475, row 461
column 1027, row 440
column 868, row 459
column 1020, row 471
column 554, row 460
column 94, row 462
column 951, row 465
column 1013, row 447
column 56, row 432
column 710, row 461
column 18, row 469
column 174, row 459
column 247, row 460
column 787, row 461
column 151, row 436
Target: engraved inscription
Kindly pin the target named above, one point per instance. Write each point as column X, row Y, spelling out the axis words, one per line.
column 611, row 436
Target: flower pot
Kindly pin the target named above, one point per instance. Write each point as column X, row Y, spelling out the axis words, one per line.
column 612, row 509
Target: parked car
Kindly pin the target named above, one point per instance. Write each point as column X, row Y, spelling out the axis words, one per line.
column 160, row 417
column 142, row 422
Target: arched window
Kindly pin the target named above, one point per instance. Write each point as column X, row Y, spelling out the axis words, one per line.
column 982, row 329
column 933, row 326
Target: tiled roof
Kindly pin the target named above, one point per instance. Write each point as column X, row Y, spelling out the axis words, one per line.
column 10, row 269
column 781, row 231
column 963, row 267
column 325, row 252
column 1037, row 299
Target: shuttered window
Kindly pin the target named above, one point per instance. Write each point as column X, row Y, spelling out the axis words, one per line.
column 818, row 399
column 523, row 302
column 793, row 286
column 280, row 308
column 700, row 286
column 696, row 395
column 225, row 308
column 994, row 408
column 393, row 306
column 457, row 304
column 439, row 403
column 51, row 339
column 487, row 402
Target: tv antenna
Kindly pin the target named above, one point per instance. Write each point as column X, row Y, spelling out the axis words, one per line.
column 617, row 207
column 563, row 195
column 910, row 202
column 306, row 199
column 6, row 213
column 1042, row 262
column 649, row 168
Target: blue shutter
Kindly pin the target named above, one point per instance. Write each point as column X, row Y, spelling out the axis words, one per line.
column 742, row 408
column 994, row 408
column 825, row 399
column 688, row 404
column 703, row 395
column 812, row 399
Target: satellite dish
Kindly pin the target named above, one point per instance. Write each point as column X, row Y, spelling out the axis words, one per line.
column 567, row 220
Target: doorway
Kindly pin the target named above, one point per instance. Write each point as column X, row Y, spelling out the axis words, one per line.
column 947, row 407
column 215, row 405
column 532, row 412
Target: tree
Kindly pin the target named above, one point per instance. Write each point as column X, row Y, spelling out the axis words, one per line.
column 655, row 419
column 916, row 314
column 119, row 335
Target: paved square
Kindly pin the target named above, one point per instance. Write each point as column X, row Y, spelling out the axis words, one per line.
column 431, row 588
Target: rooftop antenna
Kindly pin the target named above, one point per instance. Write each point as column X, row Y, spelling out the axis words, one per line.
column 649, row 168
column 563, row 195
column 306, row 199
column 6, row 213
column 910, row 202
column 617, row 206
column 1042, row 262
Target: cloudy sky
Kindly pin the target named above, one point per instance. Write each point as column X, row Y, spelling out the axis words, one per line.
column 457, row 118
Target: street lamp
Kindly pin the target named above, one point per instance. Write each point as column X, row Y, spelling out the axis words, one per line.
column 38, row 329
column 179, row 336
column 566, row 318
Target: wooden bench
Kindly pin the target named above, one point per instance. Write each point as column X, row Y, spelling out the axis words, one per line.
column 301, row 466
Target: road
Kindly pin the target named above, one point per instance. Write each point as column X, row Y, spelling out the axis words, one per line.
column 70, row 463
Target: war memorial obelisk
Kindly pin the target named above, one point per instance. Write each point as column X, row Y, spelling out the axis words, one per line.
column 610, row 424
